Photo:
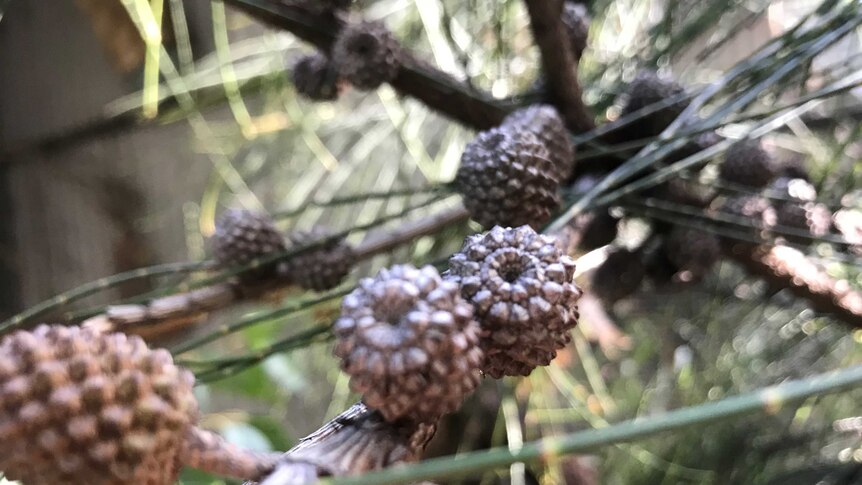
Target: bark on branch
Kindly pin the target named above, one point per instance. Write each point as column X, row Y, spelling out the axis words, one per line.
column 416, row 78
column 358, row 440
column 558, row 63
column 784, row 267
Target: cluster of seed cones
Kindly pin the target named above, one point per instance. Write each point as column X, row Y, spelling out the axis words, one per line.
column 415, row 342
column 758, row 198
column 250, row 243
column 365, row 55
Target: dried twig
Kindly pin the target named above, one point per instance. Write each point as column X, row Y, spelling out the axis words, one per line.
column 558, row 63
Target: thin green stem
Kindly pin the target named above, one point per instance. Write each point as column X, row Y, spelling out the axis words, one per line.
column 769, row 401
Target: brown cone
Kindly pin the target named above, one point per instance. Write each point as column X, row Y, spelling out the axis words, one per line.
column 506, row 177
column 367, row 55
column 321, row 268
column 520, row 285
column 80, row 407
column 410, row 344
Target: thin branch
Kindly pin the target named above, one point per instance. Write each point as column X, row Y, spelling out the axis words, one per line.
column 558, row 63
column 768, row 400
column 784, row 267
column 436, row 89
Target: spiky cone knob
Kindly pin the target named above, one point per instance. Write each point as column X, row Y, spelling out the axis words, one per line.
column 243, row 236
column 80, row 407
column 693, row 252
column 506, row 177
column 409, row 343
column 367, row 55
column 748, row 163
column 648, row 89
column 543, row 121
column 315, row 77
column 321, row 268
column 520, row 285
column 576, row 21
column 618, row 276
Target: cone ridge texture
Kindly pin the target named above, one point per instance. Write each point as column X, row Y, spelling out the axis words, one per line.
column 647, row 89
column 410, row 343
column 811, row 217
column 618, row 276
column 315, row 77
column 506, row 178
column 544, row 122
column 367, row 55
column 747, row 163
column 520, row 285
column 242, row 236
column 80, row 407
column 321, row 268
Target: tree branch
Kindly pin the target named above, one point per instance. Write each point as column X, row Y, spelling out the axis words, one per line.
column 438, row 90
column 558, row 63
column 784, row 267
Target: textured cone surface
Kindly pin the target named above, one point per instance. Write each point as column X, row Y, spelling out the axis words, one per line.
column 520, row 285
column 506, row 177
column 576, row 21
column 648, row 89
column 544, row 122
column 315, row 77
column 242, row 236
column 410, row 343
column 619, row 276
column 747, row 163
column 692, row 252
column 367, row 55
column 810, row 217
column 80, row 407
column 321, row 268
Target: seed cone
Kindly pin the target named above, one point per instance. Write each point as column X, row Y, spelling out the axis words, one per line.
column 315, row 77
column 576, row 21
column 367, row 55
column 242, row 236
column 520, row 285
column 692, row 252
column 321, row 268
column 80, row 407
column 506, row 177
column 647, row 89
column 747, row 163
column 544, row 122
column 619, row 276
column 410, row 344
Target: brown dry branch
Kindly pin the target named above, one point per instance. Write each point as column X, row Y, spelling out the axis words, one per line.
column 208, row 451
column 558, row 63
column 356, row 441
column 416, row 78
column 165, row 315
column 785, row 267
